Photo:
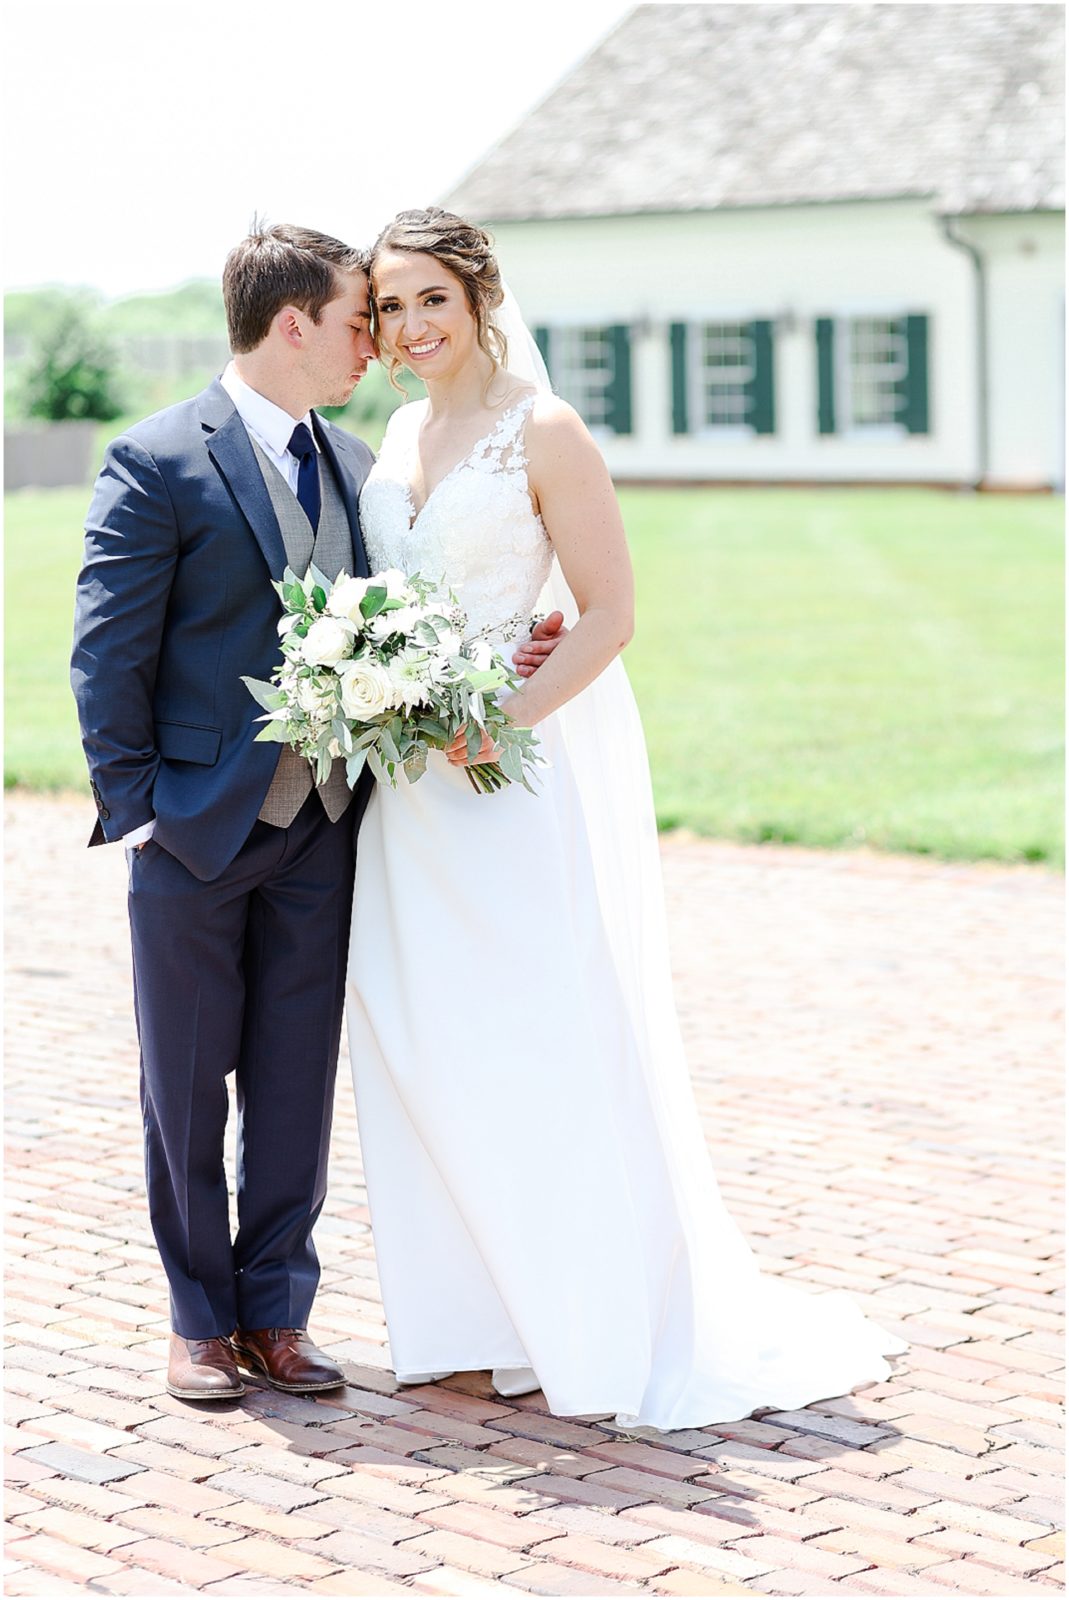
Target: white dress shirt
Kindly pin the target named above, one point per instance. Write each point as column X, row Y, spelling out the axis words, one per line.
column 272, row 428
column 268, row 424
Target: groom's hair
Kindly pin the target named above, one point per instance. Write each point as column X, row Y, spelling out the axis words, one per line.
column 281, row 265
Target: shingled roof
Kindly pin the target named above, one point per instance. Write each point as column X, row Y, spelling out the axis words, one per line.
column 693, row 107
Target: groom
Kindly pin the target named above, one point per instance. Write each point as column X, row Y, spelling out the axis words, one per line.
column 241, row 871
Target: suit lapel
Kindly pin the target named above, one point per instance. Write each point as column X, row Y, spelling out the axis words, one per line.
column 348, row 491
column 231, row 450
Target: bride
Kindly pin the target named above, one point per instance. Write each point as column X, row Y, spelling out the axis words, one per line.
column 541, row 1196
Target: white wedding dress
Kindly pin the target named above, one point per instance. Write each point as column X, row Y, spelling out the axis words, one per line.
column 540, row 1191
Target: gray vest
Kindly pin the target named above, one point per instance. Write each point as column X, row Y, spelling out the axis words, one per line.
column 332, row 551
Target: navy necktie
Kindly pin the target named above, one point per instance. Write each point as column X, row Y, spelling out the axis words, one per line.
column 303, row 447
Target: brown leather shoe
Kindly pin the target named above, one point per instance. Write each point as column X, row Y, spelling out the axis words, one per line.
column 287, row 1358
column 202, row 1369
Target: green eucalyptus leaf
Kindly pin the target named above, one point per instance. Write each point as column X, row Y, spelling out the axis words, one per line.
column 416, row 762
column 372, row 603
column 265, row 694
column 511, row 763
column 387, row 744
column 479, row 682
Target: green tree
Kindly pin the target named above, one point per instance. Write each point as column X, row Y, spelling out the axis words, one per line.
column 71, row 371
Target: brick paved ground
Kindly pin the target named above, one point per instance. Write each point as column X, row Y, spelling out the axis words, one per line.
column 874, row 1044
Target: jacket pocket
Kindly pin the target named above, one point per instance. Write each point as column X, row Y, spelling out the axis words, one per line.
column 185, row 741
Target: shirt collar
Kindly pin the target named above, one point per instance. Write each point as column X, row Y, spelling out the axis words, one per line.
column 269, row 422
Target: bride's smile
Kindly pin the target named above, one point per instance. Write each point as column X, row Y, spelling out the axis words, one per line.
column 430, row 348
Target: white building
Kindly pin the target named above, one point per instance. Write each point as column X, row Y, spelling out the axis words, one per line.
column 800, row 242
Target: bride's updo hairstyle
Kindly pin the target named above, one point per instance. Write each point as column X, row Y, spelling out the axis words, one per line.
column 467, row 251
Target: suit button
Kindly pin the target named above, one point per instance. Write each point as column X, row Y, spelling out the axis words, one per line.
column 104, row 812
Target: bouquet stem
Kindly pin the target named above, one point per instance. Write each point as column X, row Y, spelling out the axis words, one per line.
column 486, row 777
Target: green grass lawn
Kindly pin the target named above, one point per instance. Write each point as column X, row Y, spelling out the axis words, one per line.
column 832, row 667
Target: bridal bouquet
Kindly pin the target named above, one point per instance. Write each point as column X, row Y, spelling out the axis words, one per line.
column 380, row 670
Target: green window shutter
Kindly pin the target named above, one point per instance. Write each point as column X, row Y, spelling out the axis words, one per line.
column 541, row 339
column 914, row 386
column 762, row 414
column 678, row 338
column 619, row 336
column 825, row 375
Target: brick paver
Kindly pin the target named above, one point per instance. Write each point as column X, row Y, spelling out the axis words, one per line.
column 875, row 1046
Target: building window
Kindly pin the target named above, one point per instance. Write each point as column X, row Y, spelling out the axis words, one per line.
column 872, row 374
column 876, row 361
column 590, row 367
column 724, row 371
column 722, row 377
column 583, row 372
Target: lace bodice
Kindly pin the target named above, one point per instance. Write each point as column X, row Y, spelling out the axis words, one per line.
column 476, row 533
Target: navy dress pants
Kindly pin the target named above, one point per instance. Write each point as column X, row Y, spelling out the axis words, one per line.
column 245, row 974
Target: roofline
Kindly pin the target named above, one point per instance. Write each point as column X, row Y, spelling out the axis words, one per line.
column 491, row 221
column 693, row 211
column 1008, row 211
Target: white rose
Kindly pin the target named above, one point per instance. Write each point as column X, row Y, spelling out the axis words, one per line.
column 325, row 643
column 345, row 597
column 308, row 696
column 394, row 581
column 366, row 690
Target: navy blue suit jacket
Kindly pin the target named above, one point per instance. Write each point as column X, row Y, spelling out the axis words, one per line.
column 174, row 605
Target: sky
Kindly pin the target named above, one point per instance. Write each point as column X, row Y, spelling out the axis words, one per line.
column 142, row 135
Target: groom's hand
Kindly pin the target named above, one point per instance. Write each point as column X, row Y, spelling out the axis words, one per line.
column 541, row 645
